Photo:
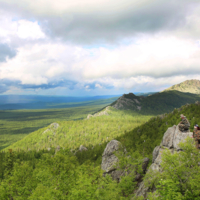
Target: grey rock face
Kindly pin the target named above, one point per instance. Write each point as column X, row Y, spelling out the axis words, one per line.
column 142, row 190
column 167, row 140
column 171, row 139
column 155, row 153
column 109, row 159
column 82, row 148
column 180, row 137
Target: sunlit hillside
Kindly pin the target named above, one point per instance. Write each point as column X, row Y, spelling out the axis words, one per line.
column 16, row 124
column 87, row 132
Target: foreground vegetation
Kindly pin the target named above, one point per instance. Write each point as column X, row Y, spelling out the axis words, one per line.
column 16, row 124
column 62, row 174
column 180, row 176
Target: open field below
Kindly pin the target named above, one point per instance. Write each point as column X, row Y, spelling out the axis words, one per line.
column 16, row 124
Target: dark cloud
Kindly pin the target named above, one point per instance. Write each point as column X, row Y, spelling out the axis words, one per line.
column 106, row 23
column 52, row 84
column 7, row 83
column 6, row 52
column 108, row 26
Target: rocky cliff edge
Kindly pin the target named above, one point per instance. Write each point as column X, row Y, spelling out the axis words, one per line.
column 171, row 139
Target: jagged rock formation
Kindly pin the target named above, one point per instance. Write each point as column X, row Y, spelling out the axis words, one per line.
column 104, row 112
column 171, row 139
column 128, row 101
column 53, row 127
column 110, row 161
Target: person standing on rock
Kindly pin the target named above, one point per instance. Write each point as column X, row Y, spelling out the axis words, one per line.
column 184, row 125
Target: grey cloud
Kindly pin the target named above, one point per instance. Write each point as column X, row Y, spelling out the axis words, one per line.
column 7, row 83
column 110, row 25
column 106, row 26
column 6, row 52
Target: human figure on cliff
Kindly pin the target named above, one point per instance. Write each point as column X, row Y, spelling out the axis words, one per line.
column 196, row 136
column 184, row 125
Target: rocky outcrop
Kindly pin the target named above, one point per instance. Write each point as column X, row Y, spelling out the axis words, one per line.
column 110, row 162
column 104, row 112
column 171, row 139
column 128, row 101
column 109, row 159
column 53, row 127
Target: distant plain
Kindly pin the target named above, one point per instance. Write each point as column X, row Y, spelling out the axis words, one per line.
column 16, row 124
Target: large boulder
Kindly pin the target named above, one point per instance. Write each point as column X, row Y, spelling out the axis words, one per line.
column 180, row 136
column 168, row 137
column 109, row 159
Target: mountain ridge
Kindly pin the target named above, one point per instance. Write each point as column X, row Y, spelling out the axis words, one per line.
column 157, row 103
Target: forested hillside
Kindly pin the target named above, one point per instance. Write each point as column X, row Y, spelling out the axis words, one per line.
column 16, row 124
column 155, row 104
column 43, row 174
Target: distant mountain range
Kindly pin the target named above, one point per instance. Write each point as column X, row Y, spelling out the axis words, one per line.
column 191, row 86
column 162, row 102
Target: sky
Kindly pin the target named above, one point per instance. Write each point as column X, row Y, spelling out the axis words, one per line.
column 101, row 47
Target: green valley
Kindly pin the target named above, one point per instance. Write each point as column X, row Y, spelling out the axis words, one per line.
column 16, row 124
column 43, row 174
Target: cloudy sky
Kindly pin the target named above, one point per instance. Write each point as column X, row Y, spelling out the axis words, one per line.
column 79, row 48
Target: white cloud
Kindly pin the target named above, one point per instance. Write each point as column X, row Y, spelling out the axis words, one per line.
column 29, row 30
column 155, row 57
column 141, row 63
column 97, row 85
